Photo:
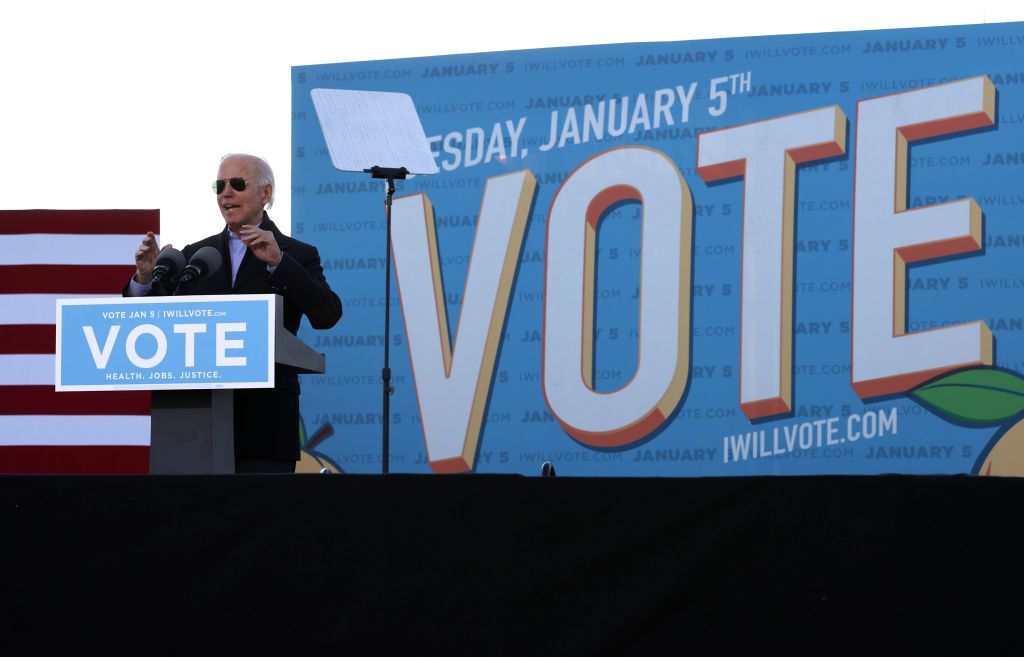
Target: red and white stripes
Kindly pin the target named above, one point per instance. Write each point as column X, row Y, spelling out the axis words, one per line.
column 46, row 255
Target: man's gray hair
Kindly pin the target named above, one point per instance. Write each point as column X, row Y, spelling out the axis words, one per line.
column 263, row 170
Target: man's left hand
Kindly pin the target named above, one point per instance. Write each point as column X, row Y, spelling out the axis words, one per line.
column 262, row 244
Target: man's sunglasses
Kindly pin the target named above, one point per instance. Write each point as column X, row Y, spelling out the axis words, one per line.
column 237, row 184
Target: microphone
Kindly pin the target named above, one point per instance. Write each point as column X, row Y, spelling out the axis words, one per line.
column 547, row 469
column 204, row 263
column 168, row 265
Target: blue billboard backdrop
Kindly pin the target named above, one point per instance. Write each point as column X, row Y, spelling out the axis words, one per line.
column 775, row 255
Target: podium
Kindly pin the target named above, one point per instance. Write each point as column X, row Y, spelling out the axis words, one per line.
column 193, row 352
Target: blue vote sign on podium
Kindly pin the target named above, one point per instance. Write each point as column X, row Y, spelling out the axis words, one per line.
column 154, row 343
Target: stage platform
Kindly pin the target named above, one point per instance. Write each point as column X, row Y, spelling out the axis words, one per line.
column 507, row 565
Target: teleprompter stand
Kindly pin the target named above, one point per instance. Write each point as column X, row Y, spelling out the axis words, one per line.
column 377, row 133
column 390, row 175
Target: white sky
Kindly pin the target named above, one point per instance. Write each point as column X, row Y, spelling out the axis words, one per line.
column 117, row 104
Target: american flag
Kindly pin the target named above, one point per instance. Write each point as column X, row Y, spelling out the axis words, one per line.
column 46, row 255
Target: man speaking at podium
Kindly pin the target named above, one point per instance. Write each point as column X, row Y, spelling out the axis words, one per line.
column 257, row 259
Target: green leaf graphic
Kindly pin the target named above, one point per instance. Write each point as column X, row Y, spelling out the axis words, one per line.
column 981, row 395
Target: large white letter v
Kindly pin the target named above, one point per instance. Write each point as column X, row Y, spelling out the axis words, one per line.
column 452, row 388
column 99, row 357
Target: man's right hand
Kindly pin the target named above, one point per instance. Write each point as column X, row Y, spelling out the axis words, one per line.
column 145, row 258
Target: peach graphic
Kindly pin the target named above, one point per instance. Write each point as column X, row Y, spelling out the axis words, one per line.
column 312, row 461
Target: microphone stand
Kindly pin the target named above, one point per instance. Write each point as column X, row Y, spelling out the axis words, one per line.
column 389, row 174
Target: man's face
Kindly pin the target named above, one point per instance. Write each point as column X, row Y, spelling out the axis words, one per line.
column 244, row 207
